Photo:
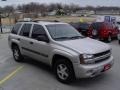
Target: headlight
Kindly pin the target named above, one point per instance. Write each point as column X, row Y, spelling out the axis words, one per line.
column 86, row 58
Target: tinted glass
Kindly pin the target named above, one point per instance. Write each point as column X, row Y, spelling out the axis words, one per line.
column 16, row 28
column 25, row 30
column 75, row 25
column 37, row 31
column 84, row 26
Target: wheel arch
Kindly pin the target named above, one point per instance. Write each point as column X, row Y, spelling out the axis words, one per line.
column 57, row 57
column 14, row 44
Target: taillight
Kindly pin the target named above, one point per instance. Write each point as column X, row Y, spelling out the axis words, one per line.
column 104, row 31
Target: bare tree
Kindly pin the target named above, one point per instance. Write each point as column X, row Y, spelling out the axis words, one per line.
column 8, row 10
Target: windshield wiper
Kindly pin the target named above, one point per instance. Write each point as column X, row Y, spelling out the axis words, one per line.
column 77, row 37
column 62, row 38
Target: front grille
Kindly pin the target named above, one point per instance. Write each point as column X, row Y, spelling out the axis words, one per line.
column 102, row 56
column 102, row 53
column 101, row 60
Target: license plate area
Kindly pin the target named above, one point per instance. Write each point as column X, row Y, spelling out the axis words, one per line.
column 107, row 67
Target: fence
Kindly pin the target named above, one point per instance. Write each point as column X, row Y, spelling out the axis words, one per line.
column 6, row 28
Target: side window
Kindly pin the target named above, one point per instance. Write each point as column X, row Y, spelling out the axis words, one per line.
column 16, row 28
column 25, row 30
column 37, row 31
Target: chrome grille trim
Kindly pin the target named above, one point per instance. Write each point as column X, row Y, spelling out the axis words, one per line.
column 104, row 56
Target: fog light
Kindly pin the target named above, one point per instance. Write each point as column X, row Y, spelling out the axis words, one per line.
column 90, row 72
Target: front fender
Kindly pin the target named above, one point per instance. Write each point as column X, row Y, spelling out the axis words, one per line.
column 74, row 58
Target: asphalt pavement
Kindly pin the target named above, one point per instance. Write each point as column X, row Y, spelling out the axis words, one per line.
column 33, row 75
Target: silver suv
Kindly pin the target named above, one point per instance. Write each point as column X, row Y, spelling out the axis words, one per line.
column 59, row 45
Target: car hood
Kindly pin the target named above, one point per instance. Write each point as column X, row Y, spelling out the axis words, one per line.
column 86, row 45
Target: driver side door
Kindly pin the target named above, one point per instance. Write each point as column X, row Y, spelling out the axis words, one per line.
column 40, row 50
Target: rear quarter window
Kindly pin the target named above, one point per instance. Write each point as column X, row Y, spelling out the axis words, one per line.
column 16, row 28
column 25, row 30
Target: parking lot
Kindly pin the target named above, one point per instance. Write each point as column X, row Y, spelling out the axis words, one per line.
column 33, row 75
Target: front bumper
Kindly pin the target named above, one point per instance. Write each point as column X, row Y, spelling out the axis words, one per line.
column 91, row 70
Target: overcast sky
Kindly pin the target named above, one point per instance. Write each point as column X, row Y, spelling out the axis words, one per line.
column 79, row 2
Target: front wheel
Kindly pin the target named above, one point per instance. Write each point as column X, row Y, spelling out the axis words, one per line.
column 64, row 71
column 16, row 54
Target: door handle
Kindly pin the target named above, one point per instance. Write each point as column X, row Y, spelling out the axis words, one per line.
column 31, row 42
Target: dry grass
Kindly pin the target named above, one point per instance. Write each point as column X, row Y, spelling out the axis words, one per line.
column 69, row 19
column 9, row 21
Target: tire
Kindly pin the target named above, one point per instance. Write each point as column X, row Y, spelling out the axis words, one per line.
column 109, row 39
column 119, row 41
column 16, row 54
column 64, row 71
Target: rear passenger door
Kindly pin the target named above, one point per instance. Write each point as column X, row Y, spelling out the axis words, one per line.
column 24, row 39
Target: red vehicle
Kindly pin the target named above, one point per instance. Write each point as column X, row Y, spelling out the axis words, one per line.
column 103, row 31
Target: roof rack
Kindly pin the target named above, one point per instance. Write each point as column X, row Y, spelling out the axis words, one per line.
column 45, row 20
column 24, row 21
column 39, row 20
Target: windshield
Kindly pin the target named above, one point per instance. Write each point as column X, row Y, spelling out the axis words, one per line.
column 63, row 32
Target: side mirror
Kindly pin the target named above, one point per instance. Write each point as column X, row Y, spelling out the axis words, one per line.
column 43, row 38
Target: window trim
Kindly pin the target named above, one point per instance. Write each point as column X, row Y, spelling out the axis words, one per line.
column 20, row 29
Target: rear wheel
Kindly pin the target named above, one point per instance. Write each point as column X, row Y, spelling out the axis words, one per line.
column 64, row 71
column 109, row 39
column 16, row 54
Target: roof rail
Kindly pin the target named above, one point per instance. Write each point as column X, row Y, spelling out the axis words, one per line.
column 45, row 20
column 23, row 21
column 39, row 21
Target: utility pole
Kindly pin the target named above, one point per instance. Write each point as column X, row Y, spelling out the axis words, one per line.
column 1, row 23
column 1, row 19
